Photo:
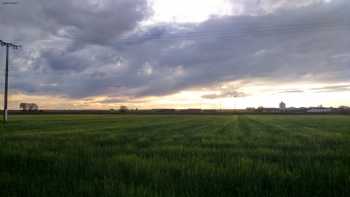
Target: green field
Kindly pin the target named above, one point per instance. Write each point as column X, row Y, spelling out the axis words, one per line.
column 194, row 156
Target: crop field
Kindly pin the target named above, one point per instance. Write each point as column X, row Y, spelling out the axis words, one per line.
column 175, row 156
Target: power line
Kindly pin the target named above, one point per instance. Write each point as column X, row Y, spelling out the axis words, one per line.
column 8, row 46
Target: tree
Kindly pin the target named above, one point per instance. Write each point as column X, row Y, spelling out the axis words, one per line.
column 123, row 109
column 29, row 107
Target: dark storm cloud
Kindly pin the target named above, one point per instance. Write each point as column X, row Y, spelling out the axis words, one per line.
column 82, row 21
column 257, row 7
column 80, row 49
column 288, row 45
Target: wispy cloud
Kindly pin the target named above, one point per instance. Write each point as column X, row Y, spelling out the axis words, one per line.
column 333, row 88
column 291, row 91
column 227, row 94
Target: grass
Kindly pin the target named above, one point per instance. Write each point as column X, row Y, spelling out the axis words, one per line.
column 194, row 156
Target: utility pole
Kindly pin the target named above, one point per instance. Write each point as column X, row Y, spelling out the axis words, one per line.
column 8, row 46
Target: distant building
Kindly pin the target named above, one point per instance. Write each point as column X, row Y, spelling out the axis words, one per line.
column 344, row 107
column 319, row 110
column 269, row 110
column 29, row 107
column 283, row 106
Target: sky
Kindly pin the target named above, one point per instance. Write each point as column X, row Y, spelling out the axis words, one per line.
column 100, row 54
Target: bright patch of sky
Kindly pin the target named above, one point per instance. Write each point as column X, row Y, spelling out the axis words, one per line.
column 196, row 11
column 188, row 10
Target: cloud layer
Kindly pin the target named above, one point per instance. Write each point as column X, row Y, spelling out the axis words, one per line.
column 82, row 49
